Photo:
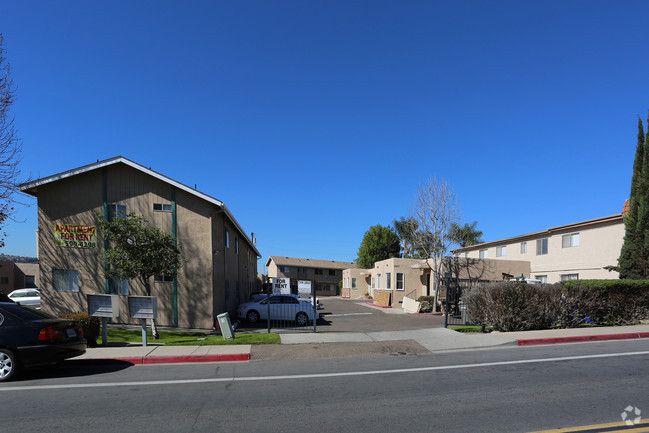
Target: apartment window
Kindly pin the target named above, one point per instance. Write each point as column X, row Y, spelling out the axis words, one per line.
column 571, row 240
column 30, row 281
column 236, row 246
column 568, row 277
column 116, row 211
column 523, row 247
column 378, row 281
column 501, row 251
column 373, row 283
column 286, row 270
column 400, row 284
column 227, row 238
column 332, row 272
column 541, row 246
column 118, row 286
column 161, row 207
column 353, row 283
column 318, row 271
column 388, row 282
column 65, row 280
column 483, row 254
column 542, row 278
column 163, row 278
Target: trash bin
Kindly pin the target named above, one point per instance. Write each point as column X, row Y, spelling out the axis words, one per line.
column 226, row 326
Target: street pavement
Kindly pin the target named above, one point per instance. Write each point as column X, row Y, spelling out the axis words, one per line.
column 345, row 344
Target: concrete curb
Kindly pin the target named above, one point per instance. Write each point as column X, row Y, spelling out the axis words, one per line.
column 140, row 360
column 582, row 338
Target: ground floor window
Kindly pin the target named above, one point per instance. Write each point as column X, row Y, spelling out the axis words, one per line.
column 542, row 278
column 65, row 280
column 353, row 283
column 118, row 286
column 568, row 277
column 400, row 285
column 163, row 278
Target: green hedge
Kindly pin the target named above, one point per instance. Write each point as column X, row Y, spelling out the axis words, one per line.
column 516, row 306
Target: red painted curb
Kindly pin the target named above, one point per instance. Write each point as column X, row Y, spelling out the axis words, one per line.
column 171, row 359
column 377, row 306
column 577, row 339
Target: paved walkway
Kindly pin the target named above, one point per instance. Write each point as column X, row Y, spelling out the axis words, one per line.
column 433, row 339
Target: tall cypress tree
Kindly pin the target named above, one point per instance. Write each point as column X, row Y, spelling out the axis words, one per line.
column 633, row 256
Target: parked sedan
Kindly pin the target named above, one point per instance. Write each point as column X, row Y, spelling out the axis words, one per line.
column 31, row 338
column 282, row 307
column 28, row 297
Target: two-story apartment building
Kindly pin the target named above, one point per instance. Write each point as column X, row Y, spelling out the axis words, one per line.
column 219, row 260
column 573, row 251
column 324, row 274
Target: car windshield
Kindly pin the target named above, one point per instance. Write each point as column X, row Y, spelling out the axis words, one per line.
column 26, row 313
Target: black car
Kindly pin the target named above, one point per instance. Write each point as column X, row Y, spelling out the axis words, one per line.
column 31, row 338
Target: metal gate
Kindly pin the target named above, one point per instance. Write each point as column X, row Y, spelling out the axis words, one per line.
column 455, row 311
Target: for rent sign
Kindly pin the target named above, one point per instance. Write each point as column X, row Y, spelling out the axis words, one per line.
column 74, row 236
column 282, row 285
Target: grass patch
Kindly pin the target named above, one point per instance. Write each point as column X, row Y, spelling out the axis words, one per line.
column 170, row 338
column 467, row 329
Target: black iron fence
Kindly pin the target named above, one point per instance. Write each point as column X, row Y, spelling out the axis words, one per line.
column 455, row 310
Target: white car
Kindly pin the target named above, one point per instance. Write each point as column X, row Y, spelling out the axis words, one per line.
column 282, row 307
column 27, row 297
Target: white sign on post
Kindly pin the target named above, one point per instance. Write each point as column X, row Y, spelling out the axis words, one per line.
column 282, row 285
column 304, row 288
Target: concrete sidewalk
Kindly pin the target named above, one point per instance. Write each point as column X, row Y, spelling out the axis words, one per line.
column 433, row 339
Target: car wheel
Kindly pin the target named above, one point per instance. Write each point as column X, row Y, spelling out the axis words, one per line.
column 8, row 364
column 302, row 319
column 252, row 316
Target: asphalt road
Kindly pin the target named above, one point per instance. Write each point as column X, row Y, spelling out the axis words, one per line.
column 514, row 389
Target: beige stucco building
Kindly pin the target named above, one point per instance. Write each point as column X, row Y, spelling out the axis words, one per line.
column 413, row 278
column 219, row 260
column 573, row 251
column 324, row 274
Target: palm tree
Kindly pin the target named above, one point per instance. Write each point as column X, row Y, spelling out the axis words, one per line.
column 466, row 235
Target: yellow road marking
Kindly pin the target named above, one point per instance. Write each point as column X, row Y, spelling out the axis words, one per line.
column 641, row 427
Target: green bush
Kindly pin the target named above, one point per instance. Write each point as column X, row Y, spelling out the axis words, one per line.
column 90, row 325
column 516, row 306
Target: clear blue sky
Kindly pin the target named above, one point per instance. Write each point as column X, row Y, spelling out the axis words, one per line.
column 314, row 120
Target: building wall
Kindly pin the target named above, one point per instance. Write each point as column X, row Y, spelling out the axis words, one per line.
column 201, row 291
column 599, row 246
column 362, row 282
column 325, row 278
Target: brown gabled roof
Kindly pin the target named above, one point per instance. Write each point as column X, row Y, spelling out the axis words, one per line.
column 309, row 263
column 565, row 228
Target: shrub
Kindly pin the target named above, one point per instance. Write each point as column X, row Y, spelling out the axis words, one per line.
column 515, row 306
column 427, row 303
column 89, row 324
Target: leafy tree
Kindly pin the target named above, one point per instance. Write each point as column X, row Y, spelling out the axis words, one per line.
column 138, row 251
column 466, row 235
column 10, row 146
column 379, row 243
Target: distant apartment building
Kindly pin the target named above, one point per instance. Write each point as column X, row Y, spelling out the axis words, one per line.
column 219, row 267
column 18, row 275
column 324, row 274
column 569, row 252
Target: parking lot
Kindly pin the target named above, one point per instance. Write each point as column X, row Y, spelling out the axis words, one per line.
column 346, row 315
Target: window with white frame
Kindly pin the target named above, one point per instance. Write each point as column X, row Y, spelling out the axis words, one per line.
column 388, row 282
column 568, row 277
column 501, row 251
column 65, row 280
column 570, row 240
column 400, row 282
column 541, row 246
column 162, row 207
column 523, row 247
column 378, row 281
column 483, row 254
column 542, row 278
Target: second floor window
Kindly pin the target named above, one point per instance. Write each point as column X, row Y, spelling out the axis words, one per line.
column 571, row 240
column 541, row 246
column 501, row 251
